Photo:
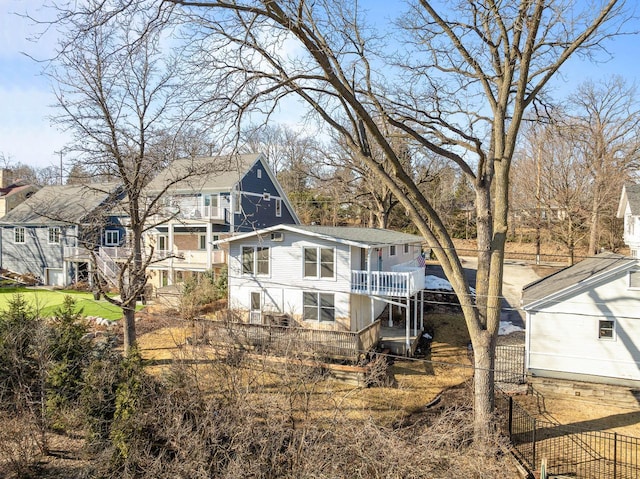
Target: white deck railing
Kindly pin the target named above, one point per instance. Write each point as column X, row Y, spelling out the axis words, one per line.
column 388, row 283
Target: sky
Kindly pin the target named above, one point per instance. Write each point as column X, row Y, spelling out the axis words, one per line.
column 27, row 135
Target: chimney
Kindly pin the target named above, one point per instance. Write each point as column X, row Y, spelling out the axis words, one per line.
column 6, row 177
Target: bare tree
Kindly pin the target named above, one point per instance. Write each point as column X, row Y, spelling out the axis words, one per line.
column 459, row 89
column 605, row 125
column 117, row 93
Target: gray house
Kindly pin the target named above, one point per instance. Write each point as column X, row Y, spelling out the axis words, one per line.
column 50, row 235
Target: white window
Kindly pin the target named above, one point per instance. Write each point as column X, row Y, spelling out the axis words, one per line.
column 202, row 242
column 255, row 260
column 18, row 235
column 54, row 235
column 112, row 238
column 406, row 248
column 319, row 307
column 259, row 173
column 392, row 250
column 319, row 262
column 278, row 207
column 606, row 329
column 216, row 238
column 634, row 279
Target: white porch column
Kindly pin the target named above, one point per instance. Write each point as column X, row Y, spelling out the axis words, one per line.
column 373, row 309
column 415, row 315
column 408, row 326
column 422, row 310
column 369, row 271
column 209, row 246
column 171, row 252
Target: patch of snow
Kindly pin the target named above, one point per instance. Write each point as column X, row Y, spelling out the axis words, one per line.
column 433, row 282
column 508, row 328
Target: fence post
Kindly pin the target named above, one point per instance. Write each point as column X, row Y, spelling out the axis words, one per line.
column 534, row 443
column 615, row 455
column 510, row 418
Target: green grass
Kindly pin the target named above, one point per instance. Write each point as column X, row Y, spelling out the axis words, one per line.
column 46, row 302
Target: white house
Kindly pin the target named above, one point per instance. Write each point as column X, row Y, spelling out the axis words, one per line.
column 327, row 278
column 583, row 323
column 629, row 209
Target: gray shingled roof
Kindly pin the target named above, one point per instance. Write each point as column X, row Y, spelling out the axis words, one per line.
column 60, row 204
column 573, row 275
column 196, row 174
column 365, row 236
column 633, row 197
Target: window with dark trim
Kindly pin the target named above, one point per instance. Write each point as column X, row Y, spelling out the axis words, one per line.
column 392, row 250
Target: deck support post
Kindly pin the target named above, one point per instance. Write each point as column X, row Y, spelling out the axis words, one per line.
column 170, row 247
column 209, row 246
column 390, row 315
column 415, row 315
column 408, row 327
column 422, row 310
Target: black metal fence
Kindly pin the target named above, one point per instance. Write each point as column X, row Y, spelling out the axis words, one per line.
column 568, row 451
column 509, row 364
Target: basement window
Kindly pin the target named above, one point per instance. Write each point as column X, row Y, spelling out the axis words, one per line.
column 606, row 329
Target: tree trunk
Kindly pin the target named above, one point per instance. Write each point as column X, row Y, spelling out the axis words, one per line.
column 483, row 384
column 129, row 327
column 594, row 230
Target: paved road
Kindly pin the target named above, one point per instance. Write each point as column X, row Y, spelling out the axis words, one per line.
column 517, row 274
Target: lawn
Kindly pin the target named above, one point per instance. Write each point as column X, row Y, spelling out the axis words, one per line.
column 46, row 302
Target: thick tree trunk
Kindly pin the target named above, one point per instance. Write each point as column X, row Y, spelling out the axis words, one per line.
column 483, row 384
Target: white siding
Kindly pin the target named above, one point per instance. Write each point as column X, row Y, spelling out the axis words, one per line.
column 563, row 336
column 283, row 288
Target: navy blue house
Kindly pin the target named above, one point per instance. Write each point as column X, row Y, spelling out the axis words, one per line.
column 205, row 199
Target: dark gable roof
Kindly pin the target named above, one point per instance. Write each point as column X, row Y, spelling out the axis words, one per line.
column 68, row 204
column 363, row 237
column 633, row 197
column 196, row 174
column 370, row 236
column 573, row 275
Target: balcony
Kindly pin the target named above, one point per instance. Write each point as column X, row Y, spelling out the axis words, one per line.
column 403, row 283
column 191, row 208
column 193, row 258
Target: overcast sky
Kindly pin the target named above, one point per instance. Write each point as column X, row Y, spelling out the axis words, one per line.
column 26, row 135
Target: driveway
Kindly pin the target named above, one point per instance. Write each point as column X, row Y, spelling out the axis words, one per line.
column 517, row 274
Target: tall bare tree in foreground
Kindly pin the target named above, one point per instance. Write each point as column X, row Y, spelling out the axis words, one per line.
column 457, row 83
